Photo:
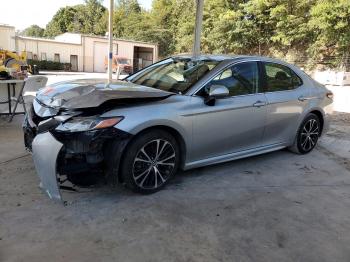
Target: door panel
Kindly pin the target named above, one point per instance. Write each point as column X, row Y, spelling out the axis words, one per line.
column 284, row 88
column 231, row 125
column 74, row 62
column 283, row 114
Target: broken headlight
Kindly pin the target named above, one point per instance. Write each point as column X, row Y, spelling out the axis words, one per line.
column 79, row 124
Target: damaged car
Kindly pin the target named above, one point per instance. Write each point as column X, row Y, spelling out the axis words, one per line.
column 180, row 113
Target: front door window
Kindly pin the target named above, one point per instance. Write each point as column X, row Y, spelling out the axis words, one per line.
column 240, row 79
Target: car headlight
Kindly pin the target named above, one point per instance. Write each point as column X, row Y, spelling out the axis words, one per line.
column 79, row 124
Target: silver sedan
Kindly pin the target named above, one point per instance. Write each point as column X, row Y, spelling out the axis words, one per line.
column 180, row 113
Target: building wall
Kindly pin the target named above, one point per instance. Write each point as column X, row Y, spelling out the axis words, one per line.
column 7, row 37
column 39, row 46
column 124, row 48
column 89, row 51
column 68, row 44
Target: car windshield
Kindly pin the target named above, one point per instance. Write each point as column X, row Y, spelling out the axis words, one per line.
column 174, row 74
column 122, row 61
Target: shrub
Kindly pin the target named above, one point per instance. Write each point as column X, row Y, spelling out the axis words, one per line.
column 49, row 65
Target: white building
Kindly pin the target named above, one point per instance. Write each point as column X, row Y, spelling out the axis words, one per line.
column 84, row 52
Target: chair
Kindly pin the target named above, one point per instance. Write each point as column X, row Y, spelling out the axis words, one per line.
column 28, row 92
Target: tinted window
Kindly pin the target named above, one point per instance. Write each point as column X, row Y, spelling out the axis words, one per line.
column 240, row 79
column 280, row 78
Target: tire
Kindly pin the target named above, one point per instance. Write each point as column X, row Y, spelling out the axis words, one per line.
column 146, row 169
column 307, row 135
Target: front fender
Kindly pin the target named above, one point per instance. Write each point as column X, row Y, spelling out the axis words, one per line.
column 183, row 126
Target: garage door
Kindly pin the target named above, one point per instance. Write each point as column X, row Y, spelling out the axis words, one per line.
column 100, row 53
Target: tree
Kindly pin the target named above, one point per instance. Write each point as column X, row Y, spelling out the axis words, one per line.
column 91, row 14
column 184, row 13
column 62, row 21
column 331, row 26
column 289, row 29
column 219, row 19
column 85, row 19
column 129, row 6
column 162, row 26
column 34, row 31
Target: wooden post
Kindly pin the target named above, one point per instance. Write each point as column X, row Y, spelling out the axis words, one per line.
column 198, row 27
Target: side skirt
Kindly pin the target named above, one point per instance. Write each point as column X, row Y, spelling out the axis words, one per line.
column 234, row 156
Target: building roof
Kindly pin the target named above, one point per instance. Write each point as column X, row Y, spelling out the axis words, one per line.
column 118, row 39
column 71, row 38
column 45, row 40
column 6, row 25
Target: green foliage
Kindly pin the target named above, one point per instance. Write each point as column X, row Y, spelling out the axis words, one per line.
column 330, row 22
column 49, row 65
column 85, row 19
column 61, row 22
column 289, row 29
column 34, row 31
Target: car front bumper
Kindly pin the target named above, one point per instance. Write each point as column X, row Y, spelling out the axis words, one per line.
column 62, row 157
column 45, row 153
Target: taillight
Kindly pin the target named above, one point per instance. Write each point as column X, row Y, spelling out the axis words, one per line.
column 329, row 95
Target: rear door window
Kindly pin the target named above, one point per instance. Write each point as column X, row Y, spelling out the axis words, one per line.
column 280, row 78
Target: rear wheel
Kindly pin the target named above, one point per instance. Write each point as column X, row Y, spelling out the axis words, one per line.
column 150, row 161
column 307, row 136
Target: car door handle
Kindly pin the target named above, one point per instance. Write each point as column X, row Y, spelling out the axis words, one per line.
column 259, row 103
column 303, row 98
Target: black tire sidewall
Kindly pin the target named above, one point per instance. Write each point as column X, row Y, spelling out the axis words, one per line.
column 307, row 118
column 133, row 148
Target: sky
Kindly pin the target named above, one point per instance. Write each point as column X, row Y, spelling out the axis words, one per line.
column 25, row 13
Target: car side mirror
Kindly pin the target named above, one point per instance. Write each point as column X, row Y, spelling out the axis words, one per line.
column 216, row 92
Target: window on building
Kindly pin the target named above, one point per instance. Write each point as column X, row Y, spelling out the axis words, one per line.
column 29, row 55
column 57, row 58
column 35, row 57
column 43, row 56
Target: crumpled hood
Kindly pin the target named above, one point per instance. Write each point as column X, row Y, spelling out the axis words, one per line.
column 90, row 93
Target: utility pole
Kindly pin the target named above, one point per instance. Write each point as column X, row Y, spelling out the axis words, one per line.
column 110, row 41
column 198, row 28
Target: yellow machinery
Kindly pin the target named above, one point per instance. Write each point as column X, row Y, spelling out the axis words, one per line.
column 12, row 63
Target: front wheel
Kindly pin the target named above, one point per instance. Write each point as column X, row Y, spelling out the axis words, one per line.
column 307, row 136
column 150, row 161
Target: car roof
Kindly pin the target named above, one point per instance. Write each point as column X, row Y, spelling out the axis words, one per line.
column 222, row 57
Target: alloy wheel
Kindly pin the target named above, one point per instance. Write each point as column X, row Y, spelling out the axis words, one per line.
column 309, row 135
column 154, row 164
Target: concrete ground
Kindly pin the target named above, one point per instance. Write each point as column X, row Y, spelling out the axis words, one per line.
column 274, row 207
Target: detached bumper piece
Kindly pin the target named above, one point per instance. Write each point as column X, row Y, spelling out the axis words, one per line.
column 69, row 160
column 45, row 152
